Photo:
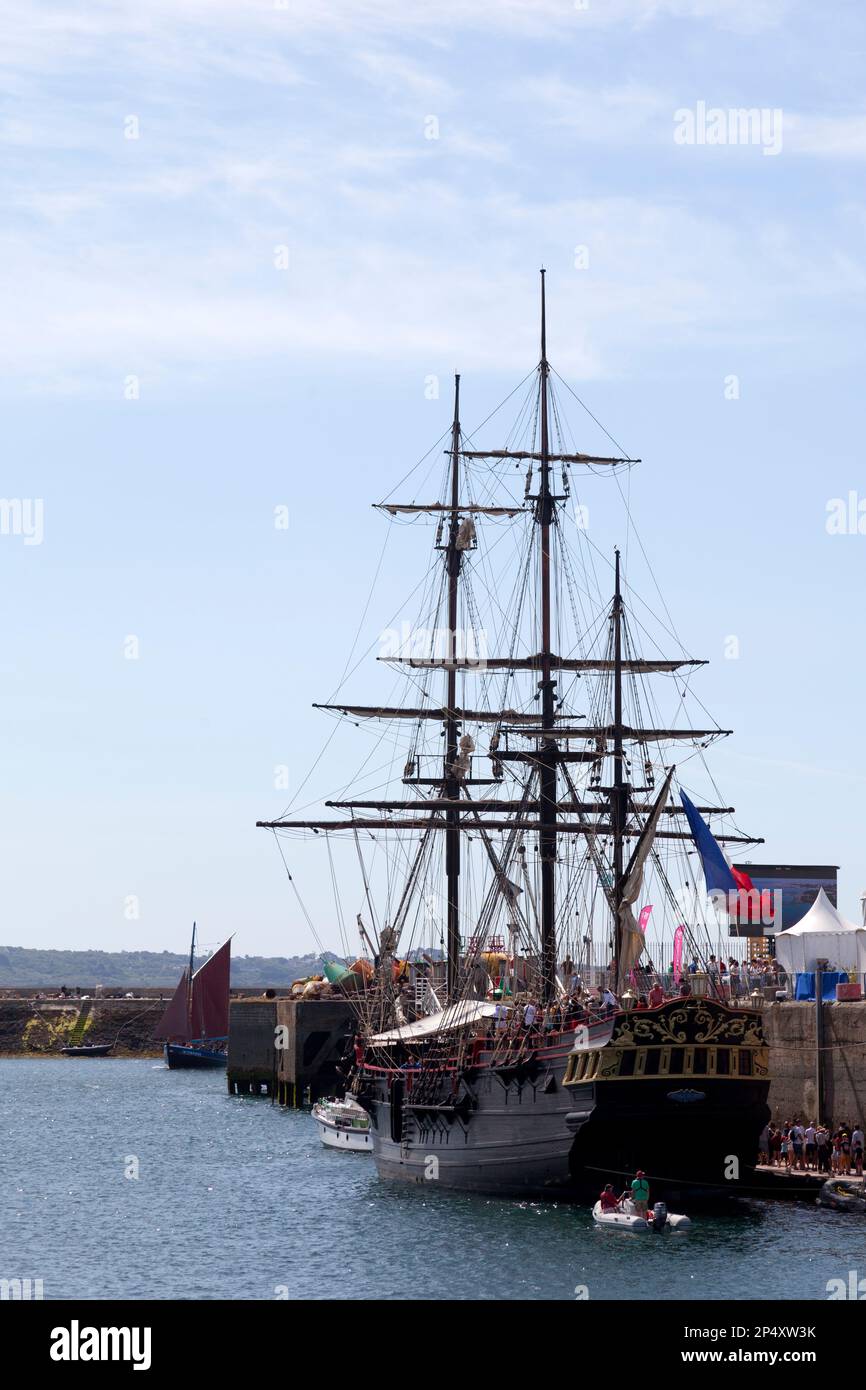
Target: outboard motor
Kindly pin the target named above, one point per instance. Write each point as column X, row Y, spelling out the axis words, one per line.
column 660, row 1216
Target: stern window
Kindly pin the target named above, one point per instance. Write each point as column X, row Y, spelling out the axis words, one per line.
column 651, row 1062
column 626, row 1062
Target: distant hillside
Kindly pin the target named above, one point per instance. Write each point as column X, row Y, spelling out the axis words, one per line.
column 20, row 965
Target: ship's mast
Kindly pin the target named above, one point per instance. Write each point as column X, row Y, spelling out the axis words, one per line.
column 595, row 815
column 619, row 790
column 189, row 978
column 453, row 560
column 549, row 751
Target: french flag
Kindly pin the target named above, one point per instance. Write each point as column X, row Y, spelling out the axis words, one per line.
column 720, row 874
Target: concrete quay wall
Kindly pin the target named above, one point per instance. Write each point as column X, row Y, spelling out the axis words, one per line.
column 790, row 1030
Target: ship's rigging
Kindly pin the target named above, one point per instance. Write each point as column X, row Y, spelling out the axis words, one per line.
column 545, row 836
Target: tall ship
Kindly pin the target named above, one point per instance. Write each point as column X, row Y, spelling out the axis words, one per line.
column 542, row 819
column 195, row 1025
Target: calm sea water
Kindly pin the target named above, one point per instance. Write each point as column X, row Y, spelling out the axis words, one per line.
column 237, row 1199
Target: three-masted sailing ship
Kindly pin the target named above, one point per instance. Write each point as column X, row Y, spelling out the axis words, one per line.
column 507, row 1074
column 195, row 1024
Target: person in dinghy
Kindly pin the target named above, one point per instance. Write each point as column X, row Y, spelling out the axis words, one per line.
column 608, row 1198
column 631, row 1211
column 640, row 1193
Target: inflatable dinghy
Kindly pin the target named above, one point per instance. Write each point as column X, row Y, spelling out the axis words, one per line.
column 628, row 1219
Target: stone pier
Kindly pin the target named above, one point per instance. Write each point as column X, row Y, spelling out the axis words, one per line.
column 790, row 1030
column 289, row 1049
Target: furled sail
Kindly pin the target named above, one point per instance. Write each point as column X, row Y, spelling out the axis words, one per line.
column 631, row 938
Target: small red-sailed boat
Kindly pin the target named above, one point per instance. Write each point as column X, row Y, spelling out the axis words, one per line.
column 196, row 1023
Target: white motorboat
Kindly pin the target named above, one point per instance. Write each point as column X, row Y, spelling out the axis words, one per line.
column 343, row 1124
column 627, row 1218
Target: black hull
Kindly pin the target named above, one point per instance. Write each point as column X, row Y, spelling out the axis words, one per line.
column 522, row 1133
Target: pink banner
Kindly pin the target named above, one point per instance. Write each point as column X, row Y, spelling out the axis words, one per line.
column 678, row 953
column 642, row 924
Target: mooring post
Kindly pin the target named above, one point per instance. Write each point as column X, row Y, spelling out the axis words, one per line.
column 819, row 1038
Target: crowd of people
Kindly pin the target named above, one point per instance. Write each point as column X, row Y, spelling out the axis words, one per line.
column 813, row 1147
column 726, row 979
column 739, row 978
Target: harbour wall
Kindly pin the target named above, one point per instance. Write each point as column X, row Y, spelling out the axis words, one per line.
column 34, row 1028
column 791, row 1032
column 37, row 1027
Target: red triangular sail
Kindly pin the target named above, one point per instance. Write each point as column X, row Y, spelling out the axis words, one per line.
column 175, row 1021
column 210, row 995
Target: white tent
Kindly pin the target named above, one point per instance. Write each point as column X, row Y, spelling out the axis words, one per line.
column 822, row 934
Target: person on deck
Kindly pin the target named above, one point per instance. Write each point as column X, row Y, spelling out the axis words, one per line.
column 640, row 1192
column 569, row 975
column 609, row 1200
column 656, row 996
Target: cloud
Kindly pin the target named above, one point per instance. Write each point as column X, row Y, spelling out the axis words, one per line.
column 612, row 113
column 459, row 286
column 188, row 34
column 830, row 137
column 303, row 127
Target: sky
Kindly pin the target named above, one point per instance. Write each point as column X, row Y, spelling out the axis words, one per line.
column 239, row 243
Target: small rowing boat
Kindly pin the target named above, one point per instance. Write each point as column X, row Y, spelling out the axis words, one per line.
column 88, row 1050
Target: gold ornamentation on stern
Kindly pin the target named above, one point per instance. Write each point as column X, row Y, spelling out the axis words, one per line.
column 690, row 1022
